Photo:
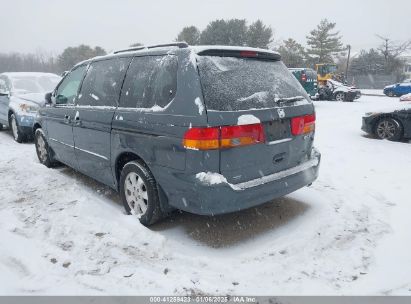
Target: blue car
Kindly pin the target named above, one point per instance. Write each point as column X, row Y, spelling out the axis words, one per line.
column 397, row 89
column 21, row 95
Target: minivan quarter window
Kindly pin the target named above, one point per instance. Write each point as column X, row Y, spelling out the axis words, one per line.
column 102, row 84
column 150, row 81
column 68, row 88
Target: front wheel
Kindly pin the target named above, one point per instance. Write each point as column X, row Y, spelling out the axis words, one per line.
column 44, row 153
column 340, row 96
column 17, row 133
column 1, row 127
column 139, row 193
column 388, row 128
column 390, row 94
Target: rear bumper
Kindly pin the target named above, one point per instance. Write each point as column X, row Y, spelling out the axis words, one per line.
column 188, row 193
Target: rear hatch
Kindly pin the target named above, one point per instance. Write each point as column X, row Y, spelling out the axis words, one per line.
column 246, row 92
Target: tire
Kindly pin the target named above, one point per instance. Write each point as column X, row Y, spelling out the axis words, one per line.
column 340, row 96
column 44, row 152
column 139, row 193
column 15, row 129
column 1, row 127
column 390, row 94
column 388, row 128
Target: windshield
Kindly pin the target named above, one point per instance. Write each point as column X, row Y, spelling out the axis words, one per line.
column 34, row 84
column 232, row 84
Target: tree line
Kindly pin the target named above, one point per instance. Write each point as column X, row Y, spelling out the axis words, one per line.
column 323, row 45
column 42, row 62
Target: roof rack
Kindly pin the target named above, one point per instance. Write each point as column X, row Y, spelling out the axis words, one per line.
column 180, row 45
column 137, row 48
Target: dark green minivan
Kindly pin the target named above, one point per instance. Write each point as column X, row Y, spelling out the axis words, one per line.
column 308, row 79
column 204, row 129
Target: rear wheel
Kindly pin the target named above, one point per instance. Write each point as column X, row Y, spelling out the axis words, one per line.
column 44, row 153
column 340, row 96
column 1, row 127
column 388, row 128
column 17, row 134
column 139, row 193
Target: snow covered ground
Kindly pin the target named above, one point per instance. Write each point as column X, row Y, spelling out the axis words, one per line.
column 347, row 234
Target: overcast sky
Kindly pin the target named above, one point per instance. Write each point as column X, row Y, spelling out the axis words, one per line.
column 52, row 25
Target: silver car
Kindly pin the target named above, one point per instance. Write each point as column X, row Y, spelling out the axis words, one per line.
column 21, row 95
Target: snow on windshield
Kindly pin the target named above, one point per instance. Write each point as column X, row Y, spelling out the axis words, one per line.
column 233, row 84
column 34, row 84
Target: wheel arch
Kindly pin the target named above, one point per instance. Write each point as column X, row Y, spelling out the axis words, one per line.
column 36, row 126
column 125, row 157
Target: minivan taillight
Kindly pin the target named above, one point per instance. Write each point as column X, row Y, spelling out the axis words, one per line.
column 302, row 124
column 223, row 137
column 202, row 138
column 235, row 136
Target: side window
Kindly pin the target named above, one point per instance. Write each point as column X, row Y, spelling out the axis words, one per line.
column 68, row 88
column 165, row 80
column 150, row 81
column 102, row 84
column 3, row 85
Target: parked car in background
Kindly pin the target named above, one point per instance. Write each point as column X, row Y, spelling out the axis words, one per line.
column 335, row 90
column 308, row 79
column 398, row 89
column 406, row 97
column 21, row 95
column 205, row 129
column 392, row 124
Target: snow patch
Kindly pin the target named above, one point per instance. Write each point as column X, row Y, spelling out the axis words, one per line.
column 200, row 105
column 247, row 119
column 211, row 178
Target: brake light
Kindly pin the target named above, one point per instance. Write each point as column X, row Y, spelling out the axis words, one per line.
column 249, row 54
column 235, row 136
column 302, row 124
column 202, row 138
column 223, row 137
column 303, row 77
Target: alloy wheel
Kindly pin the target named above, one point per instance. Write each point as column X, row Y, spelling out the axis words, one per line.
column 41, row 147
column 339, row 97
column 386, row 129
column 136, row 193
column 14, row 128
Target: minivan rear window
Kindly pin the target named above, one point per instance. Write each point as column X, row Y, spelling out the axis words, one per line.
column 234, row 84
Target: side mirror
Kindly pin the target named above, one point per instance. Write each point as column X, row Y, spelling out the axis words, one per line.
column 397, row 84
column 48, row 98
column 60, row 99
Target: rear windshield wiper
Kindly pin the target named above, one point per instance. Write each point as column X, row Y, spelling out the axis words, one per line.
column 289, row 99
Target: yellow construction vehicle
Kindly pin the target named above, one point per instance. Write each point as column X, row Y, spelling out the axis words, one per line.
column 325, row 71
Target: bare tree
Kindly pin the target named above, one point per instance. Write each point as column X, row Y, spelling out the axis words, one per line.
column 390, row 49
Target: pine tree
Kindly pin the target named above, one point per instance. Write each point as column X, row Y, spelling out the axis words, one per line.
column 222, row 32
column 189, row 34
column 259, row 35
column 292, row 53
column 323, row 42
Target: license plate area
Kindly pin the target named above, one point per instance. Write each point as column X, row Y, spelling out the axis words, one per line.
column 277, row 130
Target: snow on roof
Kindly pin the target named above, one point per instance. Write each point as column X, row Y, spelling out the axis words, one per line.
column 28, row 74
column 200, row 48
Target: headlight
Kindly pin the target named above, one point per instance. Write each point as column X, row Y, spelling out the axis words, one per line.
column 28, row 108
